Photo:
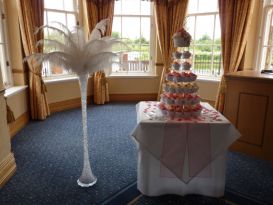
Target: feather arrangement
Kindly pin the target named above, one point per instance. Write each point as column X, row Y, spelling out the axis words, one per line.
column 74, row 53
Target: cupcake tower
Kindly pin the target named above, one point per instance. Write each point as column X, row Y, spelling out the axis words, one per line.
column 179, row 98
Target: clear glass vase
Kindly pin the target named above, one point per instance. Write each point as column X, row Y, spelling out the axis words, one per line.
column 87, row 177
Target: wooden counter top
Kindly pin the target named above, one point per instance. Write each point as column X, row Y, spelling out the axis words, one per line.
column 250, row 74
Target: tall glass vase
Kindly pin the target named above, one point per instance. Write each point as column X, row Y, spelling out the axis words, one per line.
column 87, row 178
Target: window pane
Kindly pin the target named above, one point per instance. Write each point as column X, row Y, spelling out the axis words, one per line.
column 130, row 7
column 202, row 62
column 205, row 6
column 145, row 28
column 267, row 62
column 71, row 21
column 117, row 9
column 217, row 60
column 217, row 35
column 116, row 29
column 190, row 21
column 55, row 16
column 54, row 4
column 192, row 6
column 204, row 29
column 145, row 8
column 69, row 5
column 131, row 27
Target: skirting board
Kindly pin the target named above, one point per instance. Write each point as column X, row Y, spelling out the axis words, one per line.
column 67, row 104
column 18, row 124
column 133, row 97
column 7, row 169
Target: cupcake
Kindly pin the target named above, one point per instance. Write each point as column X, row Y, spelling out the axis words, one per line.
column 186, row 54
column 169, row 76
column 186, row 65
column 176, row 65
column 181, row 38
column 177, row 55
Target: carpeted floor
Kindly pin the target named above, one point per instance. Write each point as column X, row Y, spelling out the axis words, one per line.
column 49, row 161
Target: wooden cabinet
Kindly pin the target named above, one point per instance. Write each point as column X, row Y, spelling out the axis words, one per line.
column 249, row 106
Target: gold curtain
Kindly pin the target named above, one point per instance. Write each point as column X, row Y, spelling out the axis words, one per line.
column 235, row 19
column 101, row 88
column 30, row 17
column 96, row 11
column 170, row 17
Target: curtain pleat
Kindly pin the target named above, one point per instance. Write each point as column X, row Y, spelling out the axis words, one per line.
column 96, row 11
column 235, row 19
column 170, row 17
column 31, row 16
column 100, row 88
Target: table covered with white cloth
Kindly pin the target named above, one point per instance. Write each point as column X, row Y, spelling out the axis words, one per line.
column 182, row 156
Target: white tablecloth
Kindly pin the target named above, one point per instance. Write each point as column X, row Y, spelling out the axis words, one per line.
column 163, row 144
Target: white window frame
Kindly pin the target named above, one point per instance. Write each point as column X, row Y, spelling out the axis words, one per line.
column 5, row 66
column 47, row 71
column 152, row 46
column 265, row 8
column 213, row 45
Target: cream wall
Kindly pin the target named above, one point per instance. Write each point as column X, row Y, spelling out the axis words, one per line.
column 18, row 103
column 14, row 45
column 5, row 146
column 133, row 85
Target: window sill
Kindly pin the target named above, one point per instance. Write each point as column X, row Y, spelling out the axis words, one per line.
column 132, row 75
column 14, row 90
column 208, row 79
column 60, row 79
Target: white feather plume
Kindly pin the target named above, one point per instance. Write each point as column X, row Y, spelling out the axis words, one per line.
column 74, row 53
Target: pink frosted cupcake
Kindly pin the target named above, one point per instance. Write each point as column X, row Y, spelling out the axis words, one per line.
column 176, row 65
column 186, row 54
column 186, row 65
column 177, row 55
column 169, row 76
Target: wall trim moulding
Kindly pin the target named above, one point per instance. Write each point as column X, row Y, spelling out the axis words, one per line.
column 7, row 169
column 18, row 124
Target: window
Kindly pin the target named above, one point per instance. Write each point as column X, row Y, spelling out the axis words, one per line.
column 203, row 24
column 66, row 12
column 265, row 60
column 133, row 21
column 5, row 69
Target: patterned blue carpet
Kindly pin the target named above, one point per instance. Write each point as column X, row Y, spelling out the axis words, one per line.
column 49, row 161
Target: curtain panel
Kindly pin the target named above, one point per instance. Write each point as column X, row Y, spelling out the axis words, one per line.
column 31, row 16
column 170, row 17
column 96, row 11
column 235, row 19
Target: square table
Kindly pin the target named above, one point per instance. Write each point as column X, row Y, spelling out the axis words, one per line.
column 182, row 156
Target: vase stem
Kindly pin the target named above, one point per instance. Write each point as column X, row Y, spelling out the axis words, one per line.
column 87, row 178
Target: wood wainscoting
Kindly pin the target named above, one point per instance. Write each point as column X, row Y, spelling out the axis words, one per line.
column 7, row 169
column 75, row 103
column 133, row 97
column 18, row 124
column 249, row 106
column 67, row 104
